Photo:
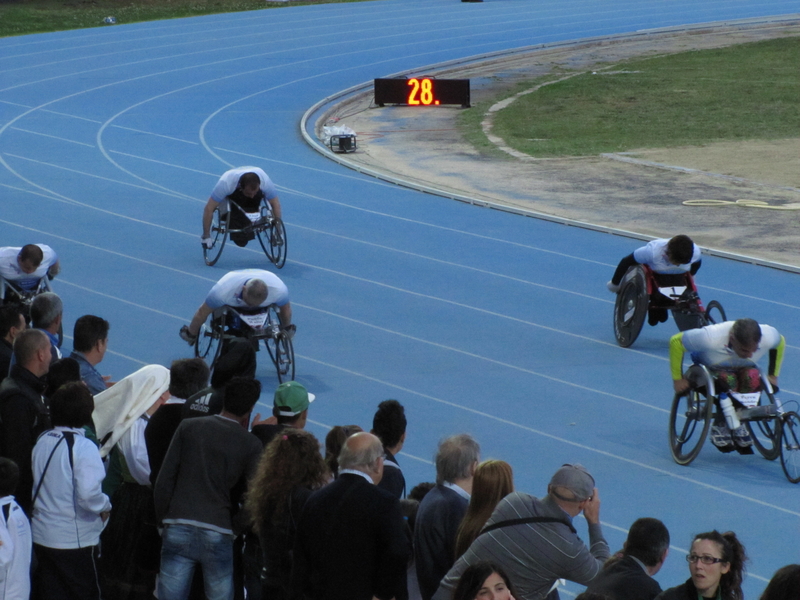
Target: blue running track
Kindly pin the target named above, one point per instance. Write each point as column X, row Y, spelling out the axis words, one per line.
column 476, row 320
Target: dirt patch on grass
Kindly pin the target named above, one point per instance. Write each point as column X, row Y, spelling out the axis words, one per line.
column 640, row 191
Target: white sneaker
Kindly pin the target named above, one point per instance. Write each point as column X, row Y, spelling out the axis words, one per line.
column 614, row 289
column 742, row 437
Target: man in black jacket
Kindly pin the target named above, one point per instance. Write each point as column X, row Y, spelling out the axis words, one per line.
column 630, row 577
column 23, row 413
column 12, row 323
column 350, row 542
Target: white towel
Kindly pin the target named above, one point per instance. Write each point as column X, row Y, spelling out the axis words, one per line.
column 118, row 407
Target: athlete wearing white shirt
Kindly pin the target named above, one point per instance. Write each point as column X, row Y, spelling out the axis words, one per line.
column 25, row 266
column 674, row 256
column 246, row 186
column 248, row 288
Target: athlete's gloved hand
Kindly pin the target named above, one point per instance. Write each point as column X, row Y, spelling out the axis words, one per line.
column 187, row 336
column 289, row 330
column 207, row 242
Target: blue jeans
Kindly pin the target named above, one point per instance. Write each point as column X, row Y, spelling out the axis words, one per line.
column 183, row 547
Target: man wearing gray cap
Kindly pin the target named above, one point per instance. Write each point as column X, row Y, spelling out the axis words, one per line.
column 535, row 541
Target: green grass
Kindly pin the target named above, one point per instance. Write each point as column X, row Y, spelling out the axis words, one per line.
column 748, row 91
column 20, row 17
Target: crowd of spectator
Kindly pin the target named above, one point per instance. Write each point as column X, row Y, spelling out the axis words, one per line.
column 164, row 484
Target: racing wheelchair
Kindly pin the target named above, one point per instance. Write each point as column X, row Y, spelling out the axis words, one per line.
column 227, row 323
column 641, row 290
column 11, row 293
column 269, row 230
column 774, row 431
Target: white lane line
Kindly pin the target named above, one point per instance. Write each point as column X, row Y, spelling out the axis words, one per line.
column 556, row 438
column 122, row 300
column 451, row 264
column 418, row 294
column 164, row 191
column 55, row 137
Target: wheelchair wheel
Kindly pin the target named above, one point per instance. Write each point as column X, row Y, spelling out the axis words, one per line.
column 630, row 308
column 766, row 433
column 219, row 235
column 715, row 313
column 208, row 345
column 689, row 422
column 280, row 348
column 281, row 351
column 790, row 446
column 273, row 241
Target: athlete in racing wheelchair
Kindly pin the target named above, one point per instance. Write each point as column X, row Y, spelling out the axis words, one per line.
column 724, row 390
column 244, row 205
column 26, row 272
column 655, row 279
column 251, row 304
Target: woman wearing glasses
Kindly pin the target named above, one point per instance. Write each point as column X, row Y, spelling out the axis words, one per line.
column 716, row 565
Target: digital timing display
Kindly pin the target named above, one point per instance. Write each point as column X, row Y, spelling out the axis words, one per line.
column 422, row 91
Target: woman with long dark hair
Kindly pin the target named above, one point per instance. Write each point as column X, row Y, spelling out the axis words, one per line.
column 484, row 581
column 290, row 468
column 493, row 481
column 716, row 565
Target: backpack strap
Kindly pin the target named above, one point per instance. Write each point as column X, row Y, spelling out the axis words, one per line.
column 69, row 436
column 523, row 521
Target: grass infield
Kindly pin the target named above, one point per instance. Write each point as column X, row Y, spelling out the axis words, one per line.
column 20, row 17
column 744, row 92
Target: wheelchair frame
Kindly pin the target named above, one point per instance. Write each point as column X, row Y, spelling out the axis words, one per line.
column 634, row 300
column 212, row 337
column 270, row 231
column 25, row 298
column 774, row 431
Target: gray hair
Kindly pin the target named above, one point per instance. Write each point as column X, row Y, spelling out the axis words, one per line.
column 455, row 457
column 255, row 292
column 45, row 309
column 363, row 456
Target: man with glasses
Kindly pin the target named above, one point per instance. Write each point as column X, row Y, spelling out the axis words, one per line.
column 731, row 350
column 534, row 539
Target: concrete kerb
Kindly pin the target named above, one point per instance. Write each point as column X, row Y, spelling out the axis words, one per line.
column 325, row 107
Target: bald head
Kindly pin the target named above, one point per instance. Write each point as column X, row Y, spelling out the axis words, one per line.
column 32, row 349
column 363, row 452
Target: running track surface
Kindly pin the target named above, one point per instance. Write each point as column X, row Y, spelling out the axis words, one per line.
column 476, row 320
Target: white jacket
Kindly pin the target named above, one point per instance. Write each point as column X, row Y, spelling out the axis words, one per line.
column 15, row 553
column 66, row 513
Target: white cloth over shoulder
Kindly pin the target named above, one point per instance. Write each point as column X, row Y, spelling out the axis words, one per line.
column 118, row 408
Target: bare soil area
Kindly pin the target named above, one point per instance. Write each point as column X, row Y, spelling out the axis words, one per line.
column 638, row 191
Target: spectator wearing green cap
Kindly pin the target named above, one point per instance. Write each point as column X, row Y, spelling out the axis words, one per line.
column 289, row 408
